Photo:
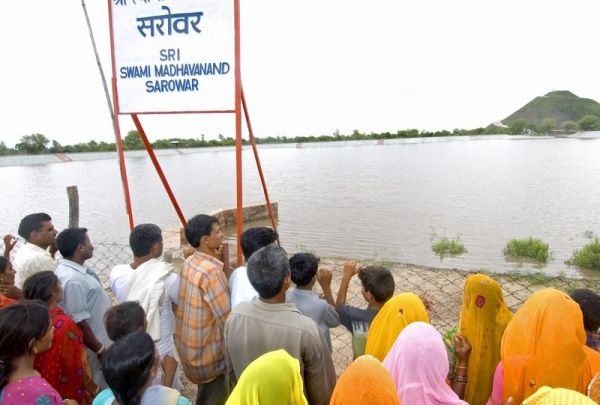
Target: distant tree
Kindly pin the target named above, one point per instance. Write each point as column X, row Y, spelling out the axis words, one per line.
column 56, row 147
column 569, row 126
column 132, row 141
column 32, row 144
column 589, row 123
column 548, row 125
column 518, row 126
column 5, row 150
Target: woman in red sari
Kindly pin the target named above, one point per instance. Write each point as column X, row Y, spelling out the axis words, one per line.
column 8, row 291
column 7, row 277
column 65, row 365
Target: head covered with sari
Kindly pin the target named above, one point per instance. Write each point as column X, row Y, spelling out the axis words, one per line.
column 392, row 318
column 557, row 396
column 483, row 318
column 272, row 379
column 544, row 344
column 365, row 382
column 418, row 363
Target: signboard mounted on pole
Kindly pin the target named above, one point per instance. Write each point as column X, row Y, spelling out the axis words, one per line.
column 173, row 55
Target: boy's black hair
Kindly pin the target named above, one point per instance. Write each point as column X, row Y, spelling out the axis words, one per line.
column 303, row 267
column 589, row 302
column 123, row 319
column 255, row 238
column 378, row 281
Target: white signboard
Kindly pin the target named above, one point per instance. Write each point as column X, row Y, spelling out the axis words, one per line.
column 174, row 55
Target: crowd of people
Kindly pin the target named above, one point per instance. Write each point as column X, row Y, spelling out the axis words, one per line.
column 259, row 334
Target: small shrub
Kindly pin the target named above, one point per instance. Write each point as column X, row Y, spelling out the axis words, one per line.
column 530, row 247
column 448, row 247
column 588, row 256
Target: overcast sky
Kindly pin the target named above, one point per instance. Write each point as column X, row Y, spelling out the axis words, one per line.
column 311, row 67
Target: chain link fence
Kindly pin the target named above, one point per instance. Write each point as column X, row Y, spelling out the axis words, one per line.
column 442, row 287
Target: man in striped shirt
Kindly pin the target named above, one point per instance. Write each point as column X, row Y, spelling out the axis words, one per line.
column 203, row 308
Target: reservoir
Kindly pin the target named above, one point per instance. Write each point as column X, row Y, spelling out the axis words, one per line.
column 363, row 199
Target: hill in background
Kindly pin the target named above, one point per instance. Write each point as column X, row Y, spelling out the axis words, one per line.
column 559, row 106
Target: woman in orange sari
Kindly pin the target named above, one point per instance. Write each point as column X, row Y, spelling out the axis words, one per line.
column 64, row 365
column 365, row 382
column 483, row 318
column 544, row 345
column 399, row 312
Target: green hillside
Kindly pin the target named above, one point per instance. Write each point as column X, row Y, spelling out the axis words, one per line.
column 560, row 106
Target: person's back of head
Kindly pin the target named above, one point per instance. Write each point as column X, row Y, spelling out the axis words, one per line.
column 124, row 319
column 197, row 227
column 41, row 286
column 144, row 238
column 589, row 302
column 69, row 239
column 268, row 269
column 255, row 238
column 378, row 281
column 21, row 325
column 32, row 223
column 128, row 366
column 303, row 267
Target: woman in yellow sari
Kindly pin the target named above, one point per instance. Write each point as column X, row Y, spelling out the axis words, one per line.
column 365, row 382
column 272, row 379
column 544, row 345
column 399, row 312
column 483, row 318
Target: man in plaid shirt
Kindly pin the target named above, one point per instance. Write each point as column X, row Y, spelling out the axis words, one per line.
column 203, row 308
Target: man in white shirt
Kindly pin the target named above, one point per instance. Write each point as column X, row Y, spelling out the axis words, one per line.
column 37, row 254
column 252, row 240
column 155, row 285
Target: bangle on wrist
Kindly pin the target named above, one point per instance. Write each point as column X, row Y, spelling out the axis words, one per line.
column 100, row 351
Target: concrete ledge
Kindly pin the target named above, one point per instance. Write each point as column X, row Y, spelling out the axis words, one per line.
column 174, row 238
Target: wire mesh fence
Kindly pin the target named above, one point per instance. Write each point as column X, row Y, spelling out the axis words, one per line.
column 442, row 287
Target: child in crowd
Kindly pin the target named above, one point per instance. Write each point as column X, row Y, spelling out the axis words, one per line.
column 589, row 302
column 129, row 365
column 377, row 288
column 124, row 319
column 305, row 273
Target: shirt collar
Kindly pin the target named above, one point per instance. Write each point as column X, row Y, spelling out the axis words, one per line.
column 36, row 248
column 74, row 266
column 286, row 306
column 299, row 291
column 208, row 257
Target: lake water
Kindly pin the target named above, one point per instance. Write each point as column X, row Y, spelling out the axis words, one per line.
column 351, row 199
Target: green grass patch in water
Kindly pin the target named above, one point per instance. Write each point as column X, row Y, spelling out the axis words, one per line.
column 448, row 247
column 588, row 256
column 529, row 247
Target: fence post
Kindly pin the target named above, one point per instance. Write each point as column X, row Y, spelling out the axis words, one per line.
column 73, row 195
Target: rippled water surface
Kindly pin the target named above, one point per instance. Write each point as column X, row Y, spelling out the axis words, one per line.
column 354, row 199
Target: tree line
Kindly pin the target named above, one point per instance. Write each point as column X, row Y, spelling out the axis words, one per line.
column 39, row 143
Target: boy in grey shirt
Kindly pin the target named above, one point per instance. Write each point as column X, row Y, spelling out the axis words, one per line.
column 305, row 273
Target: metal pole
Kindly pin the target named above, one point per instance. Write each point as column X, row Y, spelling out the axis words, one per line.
column 113, row 111
column 258, row 165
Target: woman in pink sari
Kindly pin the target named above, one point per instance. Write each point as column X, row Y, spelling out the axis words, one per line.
column 418, row 363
